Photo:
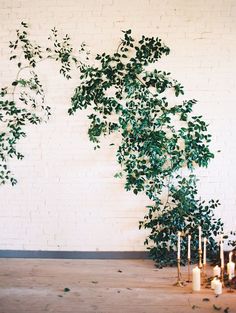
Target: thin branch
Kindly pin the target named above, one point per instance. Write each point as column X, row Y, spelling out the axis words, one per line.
column 118, row 48
column 25, row 67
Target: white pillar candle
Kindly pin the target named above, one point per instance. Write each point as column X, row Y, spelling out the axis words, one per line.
column 178, row 247
column 189, row 247
column 216, row 271
column 213, row 283
column 200, row 238
column 218, row 287
column 230, row 269
column 204, row 251
column 196, row 279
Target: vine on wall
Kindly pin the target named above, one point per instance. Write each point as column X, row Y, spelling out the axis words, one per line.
column 162, row 141
column 23, row 102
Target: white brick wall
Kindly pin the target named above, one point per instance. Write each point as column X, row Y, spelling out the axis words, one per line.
column 67, row 198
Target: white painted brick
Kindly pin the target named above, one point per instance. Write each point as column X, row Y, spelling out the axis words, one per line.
column 67, row 197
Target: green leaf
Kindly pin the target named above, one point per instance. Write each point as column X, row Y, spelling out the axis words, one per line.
column 66, row 289
column 24, row 24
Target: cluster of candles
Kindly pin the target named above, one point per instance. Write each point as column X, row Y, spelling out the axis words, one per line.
column 218, row 272
column 189, row 245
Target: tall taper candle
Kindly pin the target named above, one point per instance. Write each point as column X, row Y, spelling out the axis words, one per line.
column 178, row 247
column 222, row 254
column 221, row 240
column 200, row 237
column 189, row 247
column 204, row 251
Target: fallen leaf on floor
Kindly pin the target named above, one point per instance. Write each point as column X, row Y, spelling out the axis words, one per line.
column 217, row 308
column 60, row 296
column 226, row 310
column 205, row 299
column 195, row 307
column 119, row 271
column 94, row 282
column 66, row 289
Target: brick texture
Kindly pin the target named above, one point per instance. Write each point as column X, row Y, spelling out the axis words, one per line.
column 67, row 198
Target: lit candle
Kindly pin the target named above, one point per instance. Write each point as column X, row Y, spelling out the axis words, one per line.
column 196, row 279
column 178, row 247
column 204, row 251
column 189, row 248
column 218, row 287
column 230, row 267
column 200, row 237
column 216, row 271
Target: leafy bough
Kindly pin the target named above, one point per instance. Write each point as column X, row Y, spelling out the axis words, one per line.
column 23, row 102
column 162, row 141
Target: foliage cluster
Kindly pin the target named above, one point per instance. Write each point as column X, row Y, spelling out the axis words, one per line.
column 23, row 102
column 162, row 141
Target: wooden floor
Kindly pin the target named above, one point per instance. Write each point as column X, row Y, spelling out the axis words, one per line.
column 99, row 286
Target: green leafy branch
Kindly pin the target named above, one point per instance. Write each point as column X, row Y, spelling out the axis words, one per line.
column 161, row 142
column 23, row 102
